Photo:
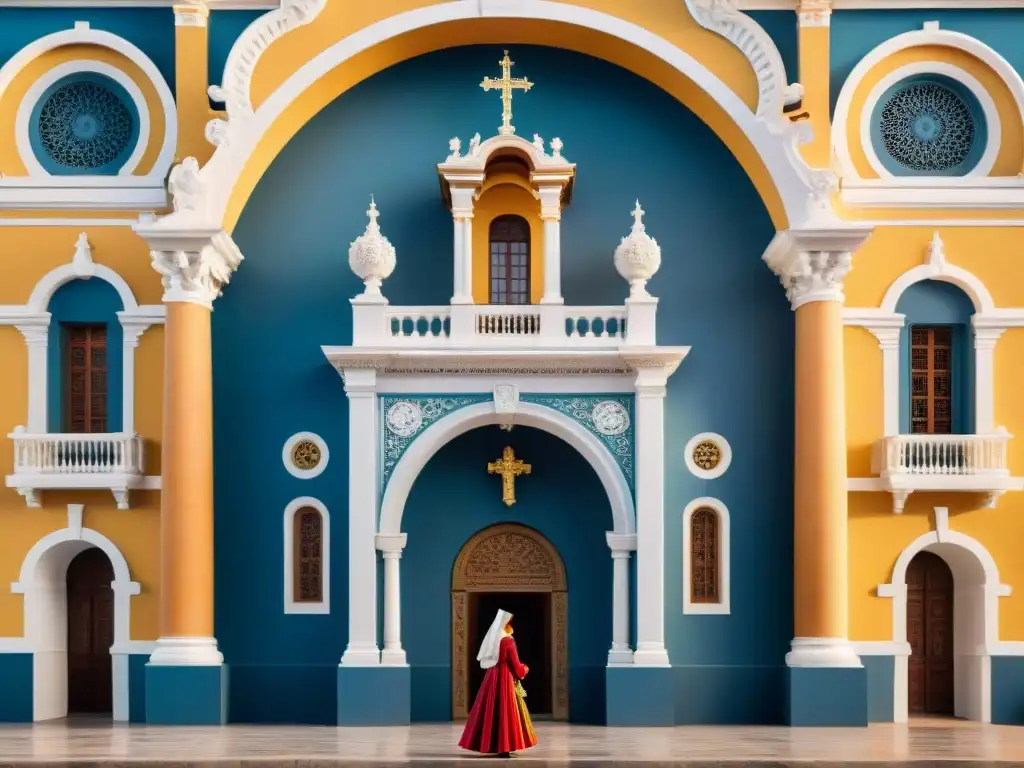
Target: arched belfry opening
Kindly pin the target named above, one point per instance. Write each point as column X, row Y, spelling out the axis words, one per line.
column 514, row 568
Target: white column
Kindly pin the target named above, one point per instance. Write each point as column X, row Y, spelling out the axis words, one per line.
column 130, row 333
column 362, row 650
column 984, row 379
column 551, row 215
column 650, row 517
column 462, row 213
column 621, row 546
column 889, row 343
column 391, row 546
column 37, row 335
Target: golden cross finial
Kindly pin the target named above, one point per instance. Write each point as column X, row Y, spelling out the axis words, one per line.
column 507, row 83
column 509, row 467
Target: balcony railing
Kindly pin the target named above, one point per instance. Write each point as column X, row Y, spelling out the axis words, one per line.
column 941, row 455
column 484, row 325
column 114, row 461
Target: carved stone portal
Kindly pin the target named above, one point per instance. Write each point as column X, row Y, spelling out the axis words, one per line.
column 509, row 558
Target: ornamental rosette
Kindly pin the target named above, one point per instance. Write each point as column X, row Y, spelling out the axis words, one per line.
column 371, row 256
column 638, row 256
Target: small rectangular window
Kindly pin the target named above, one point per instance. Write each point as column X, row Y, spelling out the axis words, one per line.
column 85, row 378
column 931, row 380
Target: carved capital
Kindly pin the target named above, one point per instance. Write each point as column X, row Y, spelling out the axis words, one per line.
column 192, row 13
column 550, row 202
column 812, row 264
column 814, row 13
column 194, row 265
column 986, row 338
column 36, row 331
column 391, row 544
column 462, row 202
column 621, row 544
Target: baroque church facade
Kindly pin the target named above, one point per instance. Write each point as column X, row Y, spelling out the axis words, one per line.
column 686, row 331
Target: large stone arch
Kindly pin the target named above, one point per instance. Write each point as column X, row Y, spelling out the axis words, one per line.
column 510, row 557
column 764, row 144
column 447, row 428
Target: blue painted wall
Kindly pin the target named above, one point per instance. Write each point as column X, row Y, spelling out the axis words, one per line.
column 84, row 301
column 932, row 302
column 149, row 29
column 857, row 33
column 881, row 674
column 223, row 28
column 291, row 296
column 563, row 499
column 1008, row 690
column 137, row 687
column 16, row 699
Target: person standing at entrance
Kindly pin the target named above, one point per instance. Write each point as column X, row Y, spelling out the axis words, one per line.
column 499, row 722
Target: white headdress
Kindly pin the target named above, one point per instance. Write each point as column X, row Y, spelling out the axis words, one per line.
column 489, row 648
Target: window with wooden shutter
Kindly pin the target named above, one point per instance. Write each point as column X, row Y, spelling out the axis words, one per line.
column 704, row 563
column 931, row 380
column 308, row 560
column 510, row 260
column 85, row 378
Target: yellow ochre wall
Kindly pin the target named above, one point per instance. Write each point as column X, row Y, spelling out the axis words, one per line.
column 877, row 536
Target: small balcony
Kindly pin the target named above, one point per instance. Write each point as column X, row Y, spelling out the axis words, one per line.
column 482, row 326
column 957, row 463
column 115, row 462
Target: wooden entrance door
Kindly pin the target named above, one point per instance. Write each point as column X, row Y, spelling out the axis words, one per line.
column 90, row 633
column 930, row 632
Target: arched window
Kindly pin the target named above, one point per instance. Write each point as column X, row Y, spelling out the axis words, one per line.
column 509, row 240
column 706, row 557
column 307, row 529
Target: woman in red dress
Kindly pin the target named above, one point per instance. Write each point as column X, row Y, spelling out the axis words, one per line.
column 499, row 722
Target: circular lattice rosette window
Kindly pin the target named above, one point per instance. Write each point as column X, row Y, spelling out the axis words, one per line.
column 930, row 125
column 85, row 123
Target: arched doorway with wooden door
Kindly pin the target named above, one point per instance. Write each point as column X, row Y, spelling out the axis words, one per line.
column 90, row 602
column 514, row 568
column 930, row 678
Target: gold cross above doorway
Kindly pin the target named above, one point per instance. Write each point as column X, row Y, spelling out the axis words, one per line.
column 509, row 467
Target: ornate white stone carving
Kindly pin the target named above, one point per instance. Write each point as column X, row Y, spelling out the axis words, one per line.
column 811, row 265
column 936, row 256
column 404, row 418
column 538, row 142
column 372, row 256
column 188, row 189
column 82, row 262
column 638, row 256
column 194, row 264
column 234, row 90
column 455, row 148
column 610, row 418
column 556, row 148
column 217, row 132
column 506, row 396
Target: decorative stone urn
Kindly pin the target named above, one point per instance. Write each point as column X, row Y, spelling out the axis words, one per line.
column 638, row 256
column 372, row 257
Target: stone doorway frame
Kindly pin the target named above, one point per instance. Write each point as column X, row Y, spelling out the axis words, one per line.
column 509, row 557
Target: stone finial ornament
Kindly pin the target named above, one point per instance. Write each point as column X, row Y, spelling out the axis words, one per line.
column 638, row 256
column 454, row 148
column 371, row 256
column 556, row 148
column 82, row 262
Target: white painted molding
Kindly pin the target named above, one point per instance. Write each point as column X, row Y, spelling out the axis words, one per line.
column 977, row 590
column 837, row 5
column 42, row 581
column 290, row 604
column 805, row 192
column 724, row 460
column 447, row 428
column 23, row 127
column 724, row 558
column 988, row 107
column 923, row 192
column 146, row 192
column 289, row 463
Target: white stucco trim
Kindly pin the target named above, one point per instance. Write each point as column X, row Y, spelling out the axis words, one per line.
column 724, row 461
column 33, row 319
column 977, row 590
column 22, row 123
column 43, row 582
column 289, row 463
column 290, row 605
column 993, row 126
column 803, row 191
column 82, row 34
column 725, row 557
column 447, row 428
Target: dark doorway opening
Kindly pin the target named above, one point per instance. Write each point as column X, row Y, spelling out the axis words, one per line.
column 930, row 633
column 90, row 633
column 531, row 612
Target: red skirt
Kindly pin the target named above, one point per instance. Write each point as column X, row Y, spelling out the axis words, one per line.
column 499, row 721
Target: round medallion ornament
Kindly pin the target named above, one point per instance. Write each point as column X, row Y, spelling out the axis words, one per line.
column 929, row 127
column 306, row 454
column 404, row 418
column 610, row 418
column 84, row 125
column 708, row 455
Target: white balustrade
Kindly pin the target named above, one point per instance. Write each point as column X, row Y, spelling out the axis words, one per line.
column 941, row 455
column 71, row 454
column 493, row 325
